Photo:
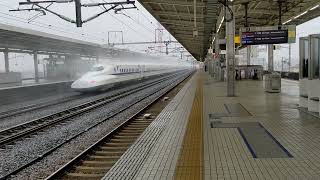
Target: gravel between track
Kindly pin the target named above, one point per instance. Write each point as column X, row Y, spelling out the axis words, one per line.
column 30, row 148
column 28, row 116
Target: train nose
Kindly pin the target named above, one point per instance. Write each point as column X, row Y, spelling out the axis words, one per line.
column 79, row 84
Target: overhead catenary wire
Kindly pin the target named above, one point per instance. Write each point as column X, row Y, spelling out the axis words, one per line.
column 138, row 32
column 68, row 31
column 48, row 26
column 19, row 19
column 32, row 21
column 143, row 15
column 142, row 25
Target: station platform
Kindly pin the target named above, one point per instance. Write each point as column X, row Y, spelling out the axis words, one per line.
column 202, row 134
column 30, row 90
column 30, row 83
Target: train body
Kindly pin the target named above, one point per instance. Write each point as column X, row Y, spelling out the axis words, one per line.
column 102, row 77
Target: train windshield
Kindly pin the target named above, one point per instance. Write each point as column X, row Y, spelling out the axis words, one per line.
column 97, row 68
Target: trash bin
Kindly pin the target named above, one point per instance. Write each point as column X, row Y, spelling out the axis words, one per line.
column 272, row 82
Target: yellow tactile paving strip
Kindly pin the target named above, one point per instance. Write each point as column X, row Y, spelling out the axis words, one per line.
column 190, row 162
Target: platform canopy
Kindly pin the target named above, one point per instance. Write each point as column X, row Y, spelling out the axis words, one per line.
column 178, row 17
column 266, row 12
column 26, row 40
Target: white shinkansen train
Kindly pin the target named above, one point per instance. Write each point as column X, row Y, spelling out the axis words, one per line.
column 102, row 77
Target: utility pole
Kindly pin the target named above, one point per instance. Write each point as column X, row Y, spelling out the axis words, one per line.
column 78, row 13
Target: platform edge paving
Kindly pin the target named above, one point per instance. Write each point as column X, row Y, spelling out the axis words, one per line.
column 148, row 158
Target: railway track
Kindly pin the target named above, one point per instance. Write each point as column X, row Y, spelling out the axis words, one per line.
column 98, row 159
column 14, row 133
column 39, row 157
column 32, row 107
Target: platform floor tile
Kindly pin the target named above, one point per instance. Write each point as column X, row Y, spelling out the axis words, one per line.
column 190, row 162
column 226, row 155
column 154, row 155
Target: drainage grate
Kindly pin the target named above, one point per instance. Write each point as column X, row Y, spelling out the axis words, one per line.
column 259, row 141
column 233, row 110
column 218, row 115
column 237, row 109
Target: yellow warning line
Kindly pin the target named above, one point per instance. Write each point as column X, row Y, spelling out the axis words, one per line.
column 190, row 162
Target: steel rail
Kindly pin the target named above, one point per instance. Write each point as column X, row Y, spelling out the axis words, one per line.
column 13, row 112
column 65, row 168
column 21, row 130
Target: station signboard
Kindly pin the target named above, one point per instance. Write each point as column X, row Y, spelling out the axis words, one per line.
column 268, row 35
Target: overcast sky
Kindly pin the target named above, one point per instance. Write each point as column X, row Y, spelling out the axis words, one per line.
column 136, row 24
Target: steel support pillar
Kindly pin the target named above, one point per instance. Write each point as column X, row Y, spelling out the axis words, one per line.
column 236, row 61
column 270, row 58
column 217, row 57
column 36, row 70
column 212, row 67
column 6, row 60
column 289, row 63
column 212, row 73
column 230, row 31
column 209, row 66
column 248, row 55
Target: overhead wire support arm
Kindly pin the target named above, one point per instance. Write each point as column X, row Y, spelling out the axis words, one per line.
column 108, row 3
column 42, row 8
column 59, row 15
column 44, row 2
column 29, row 9
column 78, row 6
column 99, row 14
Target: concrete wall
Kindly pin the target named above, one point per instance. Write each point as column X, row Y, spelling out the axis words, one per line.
column 20, row 94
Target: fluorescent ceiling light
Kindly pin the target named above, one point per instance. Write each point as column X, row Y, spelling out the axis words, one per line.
column 315, row 7
column 301, row 14
column 287, row 21
column 220, row 24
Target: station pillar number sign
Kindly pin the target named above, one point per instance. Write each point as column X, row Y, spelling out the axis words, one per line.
column 268, row 35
